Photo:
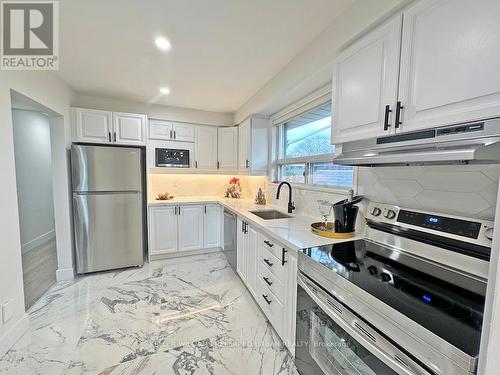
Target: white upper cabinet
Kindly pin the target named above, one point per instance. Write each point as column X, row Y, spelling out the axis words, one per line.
column 206, row 147
column 253, row 143
column 244, row 144
column 227, row 148
column 162, row 130
column 365, row 85
column 95, row 126
column 213, row 226
column 92, row 126
column 129, row 129
column 447, row 67
column 183, row 132
column 450, row 59
column 171, row 131
column 191, row 227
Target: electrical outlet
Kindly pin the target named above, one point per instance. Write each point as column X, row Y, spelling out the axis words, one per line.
column 7, row 312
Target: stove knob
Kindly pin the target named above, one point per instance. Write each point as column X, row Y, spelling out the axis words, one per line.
column 372, row 270
column 385, row 277
column 376, row 211
column 489, row 233
column 390, row 214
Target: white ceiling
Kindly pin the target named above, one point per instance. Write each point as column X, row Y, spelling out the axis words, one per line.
column 223, row 51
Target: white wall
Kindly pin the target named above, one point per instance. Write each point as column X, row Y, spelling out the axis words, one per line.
column 155, row 111
column 34, row 177
column 47, row 89
column 312, row 68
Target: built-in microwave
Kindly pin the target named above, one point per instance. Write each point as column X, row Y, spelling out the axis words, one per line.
column 171, row 157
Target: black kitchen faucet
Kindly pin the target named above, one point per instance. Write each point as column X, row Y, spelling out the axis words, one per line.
column 291, row 205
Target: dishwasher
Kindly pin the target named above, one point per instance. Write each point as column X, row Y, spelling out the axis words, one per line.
column 229, row 246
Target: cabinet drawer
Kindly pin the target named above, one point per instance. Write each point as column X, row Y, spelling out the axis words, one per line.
column 273, row 247
column 272, row 282
column 271, row 306
column 271, row 263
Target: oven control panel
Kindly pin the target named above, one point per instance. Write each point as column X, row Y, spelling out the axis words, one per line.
column 461, row 228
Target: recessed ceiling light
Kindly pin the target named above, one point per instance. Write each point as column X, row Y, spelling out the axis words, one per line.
column 163, row 43
column 165, row 90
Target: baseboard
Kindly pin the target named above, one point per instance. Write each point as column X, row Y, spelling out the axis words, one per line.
column 12, row 335
column 179, row 254
column 65, row 274
column 38, row 241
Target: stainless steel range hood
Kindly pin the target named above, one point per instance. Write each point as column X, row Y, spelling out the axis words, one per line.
column 477, row 142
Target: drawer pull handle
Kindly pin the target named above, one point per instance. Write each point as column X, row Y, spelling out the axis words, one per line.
column 268, row 243
column 267, row 281
column 268, row 262
column 266, row 299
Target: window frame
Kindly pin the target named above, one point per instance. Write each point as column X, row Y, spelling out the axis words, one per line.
column 279, row 160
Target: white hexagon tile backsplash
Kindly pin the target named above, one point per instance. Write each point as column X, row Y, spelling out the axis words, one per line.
column 466, row 190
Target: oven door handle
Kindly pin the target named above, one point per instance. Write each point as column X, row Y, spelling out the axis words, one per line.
column 373, row 342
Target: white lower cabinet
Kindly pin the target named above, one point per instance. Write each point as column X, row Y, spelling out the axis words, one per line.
column 191, row 222
column 241, row 248
column 181, row 228
column 162, row 230
column 269, row 271
column 212, row 226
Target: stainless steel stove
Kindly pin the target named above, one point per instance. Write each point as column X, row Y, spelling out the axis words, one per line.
column 406, row 299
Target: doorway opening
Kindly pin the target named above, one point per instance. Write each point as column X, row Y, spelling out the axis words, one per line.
column 33, row 148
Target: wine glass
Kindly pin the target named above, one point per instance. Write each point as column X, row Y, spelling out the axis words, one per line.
column 325, row 209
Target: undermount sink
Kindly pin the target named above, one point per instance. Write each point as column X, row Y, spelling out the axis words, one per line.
column 270, row 214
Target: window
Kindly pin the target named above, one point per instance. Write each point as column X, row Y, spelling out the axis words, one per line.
column 304, row 153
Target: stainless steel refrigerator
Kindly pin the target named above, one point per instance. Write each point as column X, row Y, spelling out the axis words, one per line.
column 108, row 207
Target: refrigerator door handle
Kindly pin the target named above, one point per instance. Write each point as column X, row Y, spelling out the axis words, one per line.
column 81, row 224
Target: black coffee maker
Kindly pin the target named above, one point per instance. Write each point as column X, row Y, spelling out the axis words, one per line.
column 345, row 213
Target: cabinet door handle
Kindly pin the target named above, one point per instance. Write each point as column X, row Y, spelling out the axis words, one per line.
column 175, row 135
column 398, row 121
column 218, row 165
column 205, row 210
column 386, row 118
column 196, row 164
column 114, row 136
column 266, row 299
column 267, row 281
column 242, row 227
column 246, row 227
column 268, row 262
column 268, row 243
column 109, row 136
column 170, row 134
column 283, row 252
column 247, row 164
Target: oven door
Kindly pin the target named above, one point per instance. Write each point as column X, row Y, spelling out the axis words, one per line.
column 333, row 340
column 169, row 157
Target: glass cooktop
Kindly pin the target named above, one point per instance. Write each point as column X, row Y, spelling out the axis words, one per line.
column 448, row 311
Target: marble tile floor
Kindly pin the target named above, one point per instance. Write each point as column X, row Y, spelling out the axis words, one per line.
column 188, row 315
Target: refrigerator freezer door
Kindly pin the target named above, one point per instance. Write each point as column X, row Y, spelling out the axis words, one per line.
column 102, row 168
column 108, row 231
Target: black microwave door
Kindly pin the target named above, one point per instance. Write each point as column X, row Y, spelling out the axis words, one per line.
column 172, row 158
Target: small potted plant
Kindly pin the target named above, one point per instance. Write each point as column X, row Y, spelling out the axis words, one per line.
column 234, row 188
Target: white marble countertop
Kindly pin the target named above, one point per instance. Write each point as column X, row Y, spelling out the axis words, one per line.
column 294, row 232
